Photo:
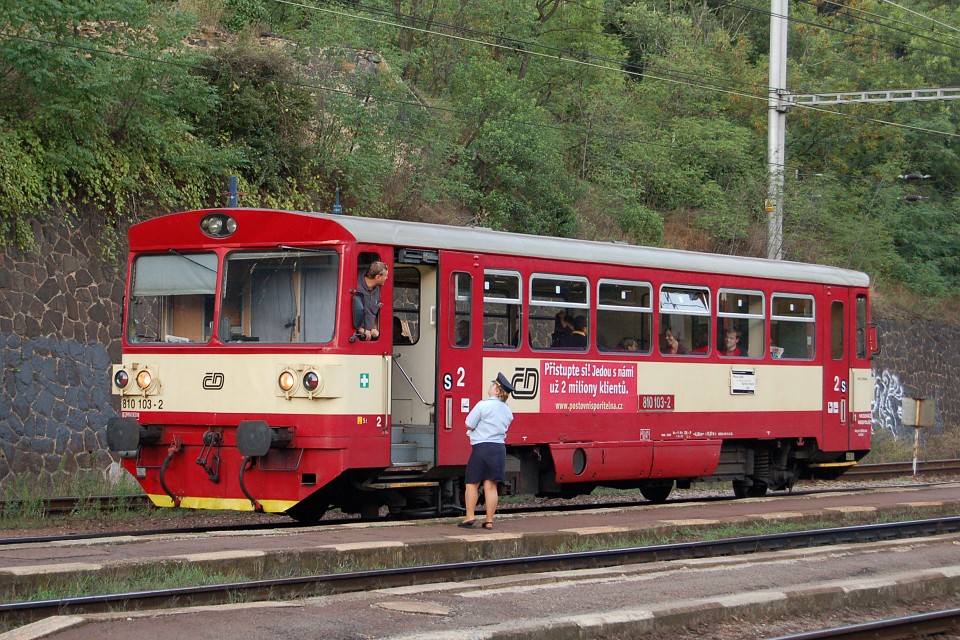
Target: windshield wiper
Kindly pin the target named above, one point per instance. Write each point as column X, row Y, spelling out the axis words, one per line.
column 189, row 259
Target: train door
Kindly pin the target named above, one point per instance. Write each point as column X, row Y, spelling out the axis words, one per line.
column 836, row 390
column 460, row 353
column 413, row 366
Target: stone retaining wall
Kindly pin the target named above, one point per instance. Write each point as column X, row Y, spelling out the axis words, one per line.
column 60, row 316
column 60, row 310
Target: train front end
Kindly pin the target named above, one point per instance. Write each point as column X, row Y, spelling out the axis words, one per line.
column 236, row 389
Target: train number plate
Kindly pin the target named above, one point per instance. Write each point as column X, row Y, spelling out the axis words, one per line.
column 655, row 402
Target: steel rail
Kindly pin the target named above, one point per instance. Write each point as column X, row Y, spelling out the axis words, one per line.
column 914, row 626
column 24, row 612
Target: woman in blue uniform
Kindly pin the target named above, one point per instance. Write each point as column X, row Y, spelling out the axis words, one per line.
column 487, row 425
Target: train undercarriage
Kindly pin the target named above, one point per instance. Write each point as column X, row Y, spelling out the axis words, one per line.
column 753, row 467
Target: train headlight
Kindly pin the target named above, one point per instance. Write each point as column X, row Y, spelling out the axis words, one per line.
column 218, row 225
column 121, row 379
column 311, row 380
column 287, row 381
column 144, row 379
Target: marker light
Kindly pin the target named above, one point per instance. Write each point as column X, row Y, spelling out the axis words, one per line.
column 121, row 379
column 144, row 379
column 311, row 380
column 287, row 380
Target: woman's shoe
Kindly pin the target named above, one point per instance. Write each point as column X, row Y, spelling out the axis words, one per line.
column 488, row 525
column 465, row 525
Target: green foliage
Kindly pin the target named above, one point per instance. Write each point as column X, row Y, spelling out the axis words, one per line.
column 101, row 98
column 241, row 14
column 617, row 119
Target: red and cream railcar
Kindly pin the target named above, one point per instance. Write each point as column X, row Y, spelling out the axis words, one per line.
column 242, row 384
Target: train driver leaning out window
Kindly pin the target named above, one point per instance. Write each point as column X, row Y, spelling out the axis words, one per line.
column 368, row 294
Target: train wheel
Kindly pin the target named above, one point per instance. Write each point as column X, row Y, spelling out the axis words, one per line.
column 304, row 516
column 756, row 490
column 657, row 493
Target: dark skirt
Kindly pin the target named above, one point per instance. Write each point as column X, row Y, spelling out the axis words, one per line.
column 488, row 461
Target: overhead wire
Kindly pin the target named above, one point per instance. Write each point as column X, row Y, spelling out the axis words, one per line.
column 820, row 25
column 574, row 60
column 722, row 81
column 918, row 14
column 850, row 8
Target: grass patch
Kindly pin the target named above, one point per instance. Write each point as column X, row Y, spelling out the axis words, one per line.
column 23, row 498
column 148, row 578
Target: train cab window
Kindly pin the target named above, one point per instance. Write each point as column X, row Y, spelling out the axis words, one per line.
column 406, row 305
column 559, row 313
column 279, row 296
column 684, row 320
column 792, row 326
column 462, row 305
column 501, row 309
column 171, row 298
column 740, row 316
column 624, row 316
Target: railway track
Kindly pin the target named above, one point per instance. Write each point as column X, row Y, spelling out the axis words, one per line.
column 561, row 507
column 887, row 470
column 18, row 613
column 75, row 504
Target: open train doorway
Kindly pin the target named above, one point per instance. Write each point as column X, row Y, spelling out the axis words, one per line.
column 413, row 379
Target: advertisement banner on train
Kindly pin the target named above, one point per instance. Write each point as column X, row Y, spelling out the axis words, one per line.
column 589, row 387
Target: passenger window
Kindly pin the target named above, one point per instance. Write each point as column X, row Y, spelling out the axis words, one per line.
column 501, row 309
column 740, row 323
column 684, row 320
column 792, row 327
column 624, row 316
column 559, row 313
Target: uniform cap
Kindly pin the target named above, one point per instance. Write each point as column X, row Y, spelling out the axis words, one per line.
column 504, row 383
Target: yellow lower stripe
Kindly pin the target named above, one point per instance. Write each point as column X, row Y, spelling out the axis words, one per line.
column 223, row 504
column 832, row 464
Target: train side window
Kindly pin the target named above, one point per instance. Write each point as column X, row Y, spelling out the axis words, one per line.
column 501, row 309
column 559, row 312
column 462, row 304
column 792, row 326
column 624, row 316
column 742, row 312
column 684, row 315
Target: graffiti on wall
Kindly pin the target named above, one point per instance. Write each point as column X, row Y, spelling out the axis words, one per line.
column 888, row 403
